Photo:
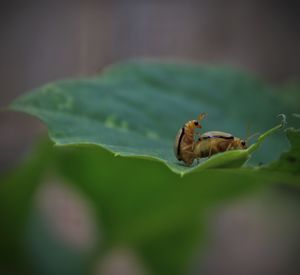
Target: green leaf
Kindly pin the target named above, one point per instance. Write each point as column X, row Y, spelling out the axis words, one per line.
column 160, row 217
column 135, row 110
column 289, row 161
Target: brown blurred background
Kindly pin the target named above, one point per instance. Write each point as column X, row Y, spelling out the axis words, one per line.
column 43, row 41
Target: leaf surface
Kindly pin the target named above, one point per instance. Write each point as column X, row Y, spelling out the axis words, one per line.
column 135, row 110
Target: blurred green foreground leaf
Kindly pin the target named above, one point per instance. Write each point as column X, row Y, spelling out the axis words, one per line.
column 135, row 109
column 159, row 216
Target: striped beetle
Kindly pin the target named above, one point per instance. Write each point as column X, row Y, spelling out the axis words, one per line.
column 214, row 142
column 185, row 140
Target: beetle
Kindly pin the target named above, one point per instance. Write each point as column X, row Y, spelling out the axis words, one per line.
column 185, row 140
column 214, row 142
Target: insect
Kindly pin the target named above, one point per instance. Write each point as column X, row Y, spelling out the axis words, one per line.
column 185, row 140
column 214, row 142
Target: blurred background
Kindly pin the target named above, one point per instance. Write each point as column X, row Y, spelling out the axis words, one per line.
column 43, row 41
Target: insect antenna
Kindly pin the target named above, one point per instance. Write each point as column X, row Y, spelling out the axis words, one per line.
column 202, row 116
column 252, row 136
column 248, row 135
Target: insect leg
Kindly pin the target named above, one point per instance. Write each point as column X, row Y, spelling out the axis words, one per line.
column 198, row 157
column 193, row 146
column 229, row 146
column 210, row 150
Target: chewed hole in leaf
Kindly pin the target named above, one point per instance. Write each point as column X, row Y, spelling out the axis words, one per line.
column 110, row 122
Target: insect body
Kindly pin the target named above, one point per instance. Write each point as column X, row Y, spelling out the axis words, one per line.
column 214, row 142
column 185, row 140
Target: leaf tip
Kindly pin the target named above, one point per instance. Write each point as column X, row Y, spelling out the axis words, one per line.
column 283, row 120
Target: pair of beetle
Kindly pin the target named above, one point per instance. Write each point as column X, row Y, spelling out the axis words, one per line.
column 187, row 149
